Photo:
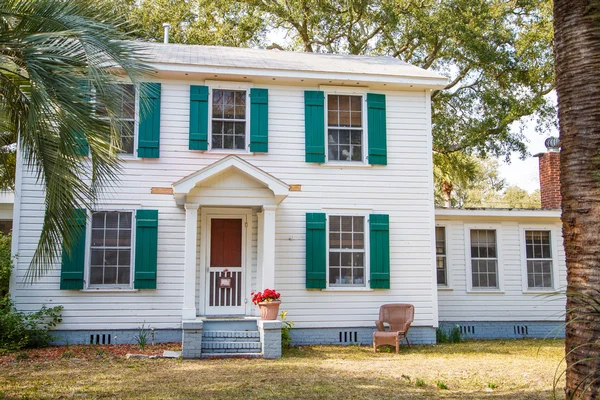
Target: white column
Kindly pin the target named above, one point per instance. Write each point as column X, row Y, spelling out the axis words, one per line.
column 268, row 247
column 189, row 269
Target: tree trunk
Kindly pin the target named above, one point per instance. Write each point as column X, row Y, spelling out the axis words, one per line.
column 577, row 55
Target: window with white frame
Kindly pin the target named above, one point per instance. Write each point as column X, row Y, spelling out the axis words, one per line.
column 484, row 259
column 346, row 251
column 228, row 130
column 110, row 250
column 440, row 255
column 344, row 127
column 125, row 117
column 538, row 253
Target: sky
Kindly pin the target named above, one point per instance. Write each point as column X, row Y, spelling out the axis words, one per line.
column 524, row 173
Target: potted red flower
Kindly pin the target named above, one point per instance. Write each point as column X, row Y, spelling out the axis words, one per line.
column 268, row 303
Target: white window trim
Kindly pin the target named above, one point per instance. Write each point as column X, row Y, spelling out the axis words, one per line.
column 499, row 249
column 554, row 246
column 224, row 85
column 354, row 213
column 448, row 285
column 361, row 91
column 88, row 253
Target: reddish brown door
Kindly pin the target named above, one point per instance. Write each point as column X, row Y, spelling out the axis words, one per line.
column 225, row 277
column 226, row 243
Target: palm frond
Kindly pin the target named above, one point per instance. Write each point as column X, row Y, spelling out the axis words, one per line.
column 54, row 57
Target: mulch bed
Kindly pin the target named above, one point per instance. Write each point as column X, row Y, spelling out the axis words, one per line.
column 84, row 352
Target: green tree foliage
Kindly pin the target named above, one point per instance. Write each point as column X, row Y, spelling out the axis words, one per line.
column 209, row 22
column 53, row 54
column 515, row 197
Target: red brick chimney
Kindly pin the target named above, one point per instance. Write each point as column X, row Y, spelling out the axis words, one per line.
column 550, row 174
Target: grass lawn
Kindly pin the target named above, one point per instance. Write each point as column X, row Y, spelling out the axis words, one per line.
column 522, row 369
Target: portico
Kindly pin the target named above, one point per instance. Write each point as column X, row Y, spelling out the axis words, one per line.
column 220, row 201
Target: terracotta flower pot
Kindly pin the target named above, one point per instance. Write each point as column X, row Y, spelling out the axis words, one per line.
column 269, row 310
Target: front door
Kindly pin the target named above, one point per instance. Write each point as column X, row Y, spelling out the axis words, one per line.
column 225, row 275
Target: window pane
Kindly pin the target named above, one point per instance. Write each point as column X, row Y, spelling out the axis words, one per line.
column 346, row 259
column 124, row 258
column 358, row 260
column 110, row 275
column 110, row 237
column 98, row 220
column 96, row 276
column 97, row 237
column 334, row 259
column 124, row 275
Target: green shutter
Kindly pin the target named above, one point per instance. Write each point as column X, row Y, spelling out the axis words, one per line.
column 259, row 120
column 379, row 225
column 377, row 128
column 73, row 262
column 146, row 249
column 314, row 125
column 198, row 118
column 82, row 147
column 149, row 127
column 316, row 252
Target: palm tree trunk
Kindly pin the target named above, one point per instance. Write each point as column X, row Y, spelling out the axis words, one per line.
column 577, row 55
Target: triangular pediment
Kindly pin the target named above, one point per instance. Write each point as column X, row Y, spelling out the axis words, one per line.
column 229, row 172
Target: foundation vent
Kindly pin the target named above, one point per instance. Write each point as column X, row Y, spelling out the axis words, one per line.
column 348, row 337
column 100, row 338
column 467, row 330
column 521, row 330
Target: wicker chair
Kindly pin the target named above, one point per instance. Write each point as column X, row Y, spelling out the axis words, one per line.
column 399, row 317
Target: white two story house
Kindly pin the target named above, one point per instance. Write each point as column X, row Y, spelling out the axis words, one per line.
column 307, row 173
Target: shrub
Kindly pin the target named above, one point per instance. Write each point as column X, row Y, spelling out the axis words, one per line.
column 442, row 385
column 286, row 328
column 5, row 263
column 26, row 330
column 451, row 335
column 419, row 382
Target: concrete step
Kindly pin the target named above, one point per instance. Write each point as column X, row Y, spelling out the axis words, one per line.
column 230, row 355
column 231, row 336
column 221, row 346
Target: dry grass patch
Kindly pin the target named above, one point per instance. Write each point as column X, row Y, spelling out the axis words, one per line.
column 484, row 369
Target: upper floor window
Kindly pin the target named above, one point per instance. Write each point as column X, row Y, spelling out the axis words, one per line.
column 125, row 116
column 228, row 119
column 484, row 259
column 110, row 250
column 346, row 251
column 440, row 255
column 538, row 253
column 345, row 128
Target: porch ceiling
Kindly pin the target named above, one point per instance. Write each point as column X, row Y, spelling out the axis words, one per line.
column 184, row 186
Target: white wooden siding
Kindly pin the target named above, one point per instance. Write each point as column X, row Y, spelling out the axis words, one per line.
column 513, row 304
column 401, row 189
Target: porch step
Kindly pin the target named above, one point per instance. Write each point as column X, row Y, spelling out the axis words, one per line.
column 231, row 336
column 230, row 342
column 233, row 347
column 230, row 355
